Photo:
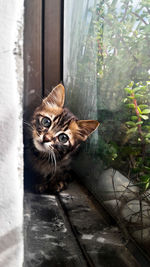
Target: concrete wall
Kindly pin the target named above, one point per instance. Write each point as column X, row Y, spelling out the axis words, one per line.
column 11, row 146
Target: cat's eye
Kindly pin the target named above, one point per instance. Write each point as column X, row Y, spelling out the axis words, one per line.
column 46, row 122
column 63, row 138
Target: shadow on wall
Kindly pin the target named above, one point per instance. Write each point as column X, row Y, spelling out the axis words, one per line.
column 9, row 241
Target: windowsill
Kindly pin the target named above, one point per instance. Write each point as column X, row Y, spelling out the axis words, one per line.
column 71, row 230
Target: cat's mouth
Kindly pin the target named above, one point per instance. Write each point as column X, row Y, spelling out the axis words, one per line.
column 41, row 146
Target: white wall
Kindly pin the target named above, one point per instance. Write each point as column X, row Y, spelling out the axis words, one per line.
column 11, row 167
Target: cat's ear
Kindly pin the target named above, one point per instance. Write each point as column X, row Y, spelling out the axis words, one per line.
column 56, row 96
column 86, row 127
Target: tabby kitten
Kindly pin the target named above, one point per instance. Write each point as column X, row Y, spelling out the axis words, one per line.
column 56, row 135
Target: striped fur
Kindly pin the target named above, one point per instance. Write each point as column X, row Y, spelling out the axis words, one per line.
column 52, row 146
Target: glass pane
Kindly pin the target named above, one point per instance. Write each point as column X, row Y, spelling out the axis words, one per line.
column 107, row 73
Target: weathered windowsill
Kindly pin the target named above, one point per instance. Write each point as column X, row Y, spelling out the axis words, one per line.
column 70, row 230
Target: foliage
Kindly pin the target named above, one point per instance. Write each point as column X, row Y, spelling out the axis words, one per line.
column 131, row 154
column 123, row 40
column 109, row 49
column 138, row 131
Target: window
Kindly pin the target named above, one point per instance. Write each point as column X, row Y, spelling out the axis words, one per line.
column 107, row 73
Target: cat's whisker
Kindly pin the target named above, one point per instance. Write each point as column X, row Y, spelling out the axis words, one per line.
column 54, row 160
column 53, row 165
column 28, row 124
column 49, row 157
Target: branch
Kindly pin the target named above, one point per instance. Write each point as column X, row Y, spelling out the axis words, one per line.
column 138, row 115
column 127, row 6
column 129, row 52
column 140, row 18
column 124, row 43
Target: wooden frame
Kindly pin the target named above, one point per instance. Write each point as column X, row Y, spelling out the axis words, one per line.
column 43, row 50
column 32, row 52
column 53, row 43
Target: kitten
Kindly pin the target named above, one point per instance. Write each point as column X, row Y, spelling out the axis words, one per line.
column 56, row 135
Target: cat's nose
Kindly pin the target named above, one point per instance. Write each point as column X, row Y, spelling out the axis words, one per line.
column 46, row 138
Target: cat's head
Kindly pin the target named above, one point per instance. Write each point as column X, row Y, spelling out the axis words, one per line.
column 55, row 128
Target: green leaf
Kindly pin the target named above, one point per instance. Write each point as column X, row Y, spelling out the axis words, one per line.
column 147, row 168
column 147, row 185
column 131, row 84
column 132, row 130
column 139, row 110
column 130, row 105
column 138, row 96
column 134, row 118
column 139, row 122
column 146, row 111
column 128, row 90
column 142, row 88
column 131, row 97
column 148, row 135
column 146, row 127
column 145, row 178
column 131, row 123
column 125, row 100
column 143, row 106
column 144, row 117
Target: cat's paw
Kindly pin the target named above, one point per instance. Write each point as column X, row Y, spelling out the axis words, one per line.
column 58, row 187
column 41, row 188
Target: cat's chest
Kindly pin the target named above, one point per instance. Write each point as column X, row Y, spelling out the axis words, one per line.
column 44, row 167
